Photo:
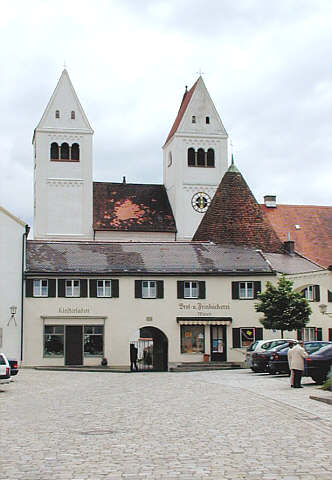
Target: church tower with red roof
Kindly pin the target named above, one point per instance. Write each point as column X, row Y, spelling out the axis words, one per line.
column 194, row 159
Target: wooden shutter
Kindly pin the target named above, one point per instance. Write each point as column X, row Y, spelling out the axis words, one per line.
column 235, row 291
column 115, row 288
column 330, row 334
column 257, row 288
column 319, row 334
column 51, row 288
column 258, row 333
column 317, row 293
column 29, row 287
column 236, row 336
column 160, row 289
column 61, row 287
column 299, row 334
column 180, row 288
column 201, row 290
column 93, row 288
column 329, row 296
column 138, row 288
column 83, row 288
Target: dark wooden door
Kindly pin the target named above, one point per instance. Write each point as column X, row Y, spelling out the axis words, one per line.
column 218, row 343
column 74, row 345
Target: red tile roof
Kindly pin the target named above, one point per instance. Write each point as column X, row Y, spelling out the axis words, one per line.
column 183, row 107
column 235, row 217
column 131, row 207
column 313, row 238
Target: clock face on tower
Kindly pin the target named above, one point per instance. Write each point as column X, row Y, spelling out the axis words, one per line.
column 200, row 202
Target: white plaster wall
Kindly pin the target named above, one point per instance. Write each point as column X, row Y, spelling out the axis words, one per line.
column 11, row 238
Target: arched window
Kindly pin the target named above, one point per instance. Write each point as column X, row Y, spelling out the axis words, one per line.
column 72, row 116
column 57, row 113
column 193, row 119
column 191, row 157
column 207, row 120
column 200, row 157
column 75, row 152
column 210, row 157
column 54, row 153
column 65, row 151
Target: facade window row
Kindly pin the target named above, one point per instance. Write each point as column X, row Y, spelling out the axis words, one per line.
column 65, row 152
column 200, row 157
column 149, row 289
column 194, row 119
column 72, row 114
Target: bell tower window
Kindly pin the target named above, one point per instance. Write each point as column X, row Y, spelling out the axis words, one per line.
column 193, row 119
column 65, row 151
column 207, row 120
column 210, row 158
column 57, row 113
column 191, row 157
column 75, row 152
column 54, row 151
column 200, row 158
column 72, row 115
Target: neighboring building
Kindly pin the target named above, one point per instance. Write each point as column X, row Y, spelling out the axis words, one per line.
column 12, row 240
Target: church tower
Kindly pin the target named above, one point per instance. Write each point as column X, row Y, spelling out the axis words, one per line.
column 62, row 145
column 194, row 159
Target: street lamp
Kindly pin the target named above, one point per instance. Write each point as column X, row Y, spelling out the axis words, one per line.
column 13, row 310
column 323, row 310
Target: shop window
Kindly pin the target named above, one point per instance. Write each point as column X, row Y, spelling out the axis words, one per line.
column 93, row 340
column 53, row 340
column 191, row 289
column 244, row 336
column 245, row 290
column 192, row 339
column 149, row 289
column 312, row 293
column 40, row 288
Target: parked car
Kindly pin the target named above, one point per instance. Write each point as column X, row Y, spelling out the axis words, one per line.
column 261, row 346
column 278, row 362
column 13, row 366
column 4, row 369
column 318, row 364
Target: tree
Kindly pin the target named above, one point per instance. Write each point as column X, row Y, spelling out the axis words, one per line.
column 283, row 308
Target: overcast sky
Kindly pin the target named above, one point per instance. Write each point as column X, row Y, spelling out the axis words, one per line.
column 267, row 64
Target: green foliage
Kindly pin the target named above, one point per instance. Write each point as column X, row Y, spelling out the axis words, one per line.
column 283, row 308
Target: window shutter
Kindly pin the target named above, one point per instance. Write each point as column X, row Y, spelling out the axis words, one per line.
column 258, row 333
column 303, row 292
column 83, row 288
column 201, row 293
column 29, row 287
column 51, row 288
column 329, row 296
column 180, row 287
column 317, row 293
column 138, row 288
column 236, row 336
column 160, row 289
column 330, row 334
column 257, row 288
column 299, row 334
column 61, row 288
column 115, row 288
column 93, row 288
column 319, row 334
column 235, row 291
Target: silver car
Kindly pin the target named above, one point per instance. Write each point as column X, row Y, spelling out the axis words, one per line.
column 262, row 346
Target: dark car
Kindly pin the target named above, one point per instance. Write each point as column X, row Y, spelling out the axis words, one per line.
column 13, row 366
column 318, row 364
column 260, row 360
column 278, row 362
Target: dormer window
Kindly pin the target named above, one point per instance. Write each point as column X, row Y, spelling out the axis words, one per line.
column 207, row 120
column 57, row 113
column 72, row 115
column 193, row 119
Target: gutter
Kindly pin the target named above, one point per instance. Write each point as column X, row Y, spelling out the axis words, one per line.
column 24, row 240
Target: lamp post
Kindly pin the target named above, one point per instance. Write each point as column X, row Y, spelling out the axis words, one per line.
column 323, row 310
column 13, row 310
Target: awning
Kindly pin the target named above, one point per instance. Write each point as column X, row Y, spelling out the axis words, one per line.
column 204, row 320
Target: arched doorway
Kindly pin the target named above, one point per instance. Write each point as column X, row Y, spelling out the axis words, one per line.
column 156, row 353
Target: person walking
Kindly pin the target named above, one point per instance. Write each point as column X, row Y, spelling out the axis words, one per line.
column 297, row 363
column 133, row 357
column 289, row 356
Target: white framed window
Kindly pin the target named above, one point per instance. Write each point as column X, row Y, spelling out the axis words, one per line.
column 246, row 290
column 149, row 289
column 309, row 293
column 72, row 288
column 191, row 289
column 40, row 288
column 308, row 333
column 104, row 288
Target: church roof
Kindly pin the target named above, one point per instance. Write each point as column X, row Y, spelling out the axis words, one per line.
column 309, row 226
column 185, row 101
column 235, row 217
column 131, row 207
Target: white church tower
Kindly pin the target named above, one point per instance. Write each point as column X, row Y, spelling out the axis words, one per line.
column 195, row 159
column 63, row 168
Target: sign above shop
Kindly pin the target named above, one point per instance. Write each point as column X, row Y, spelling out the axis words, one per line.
column 73, row 310
column 202, row 309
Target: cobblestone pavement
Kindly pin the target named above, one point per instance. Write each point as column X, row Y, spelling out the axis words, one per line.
column 201, row 425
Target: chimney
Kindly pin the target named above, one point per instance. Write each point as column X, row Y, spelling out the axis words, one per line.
column 289, row 246
column 124, row 180
column 270, row 201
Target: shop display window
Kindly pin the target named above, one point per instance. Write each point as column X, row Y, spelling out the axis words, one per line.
column 53, row 340
column 93, row 340
column 192, row 339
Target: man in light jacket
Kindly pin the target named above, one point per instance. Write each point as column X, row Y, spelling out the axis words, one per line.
column 289, row 356
column 297, row 363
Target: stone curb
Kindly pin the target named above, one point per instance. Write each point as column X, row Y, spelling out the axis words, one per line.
column 321, row 399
